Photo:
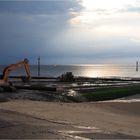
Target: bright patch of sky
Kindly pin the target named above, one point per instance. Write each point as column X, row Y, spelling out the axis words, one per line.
column 97, row 9
column 109, row 17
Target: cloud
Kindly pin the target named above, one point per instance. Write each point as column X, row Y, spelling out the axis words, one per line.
column 39, row 7
column 64, row 32
column 28, row 27
column 132, row 9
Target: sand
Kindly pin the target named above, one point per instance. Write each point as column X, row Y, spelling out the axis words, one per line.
column 56, row 120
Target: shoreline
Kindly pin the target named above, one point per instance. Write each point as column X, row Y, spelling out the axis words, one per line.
column 86, row 77
column 71, row 91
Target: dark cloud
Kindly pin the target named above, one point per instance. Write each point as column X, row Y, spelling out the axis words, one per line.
column 39, row 7
column 28, row 27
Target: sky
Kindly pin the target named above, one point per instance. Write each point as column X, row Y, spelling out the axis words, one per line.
column 70, row 31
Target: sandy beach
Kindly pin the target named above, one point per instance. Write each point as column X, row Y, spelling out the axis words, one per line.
column 54, row 120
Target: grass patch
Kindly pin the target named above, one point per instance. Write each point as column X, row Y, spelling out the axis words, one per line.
column 102, row 94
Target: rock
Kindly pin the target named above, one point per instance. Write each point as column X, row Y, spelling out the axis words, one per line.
column 1, row 89
column 9, row 89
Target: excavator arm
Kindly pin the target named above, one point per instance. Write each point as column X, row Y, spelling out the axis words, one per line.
column 12, row 67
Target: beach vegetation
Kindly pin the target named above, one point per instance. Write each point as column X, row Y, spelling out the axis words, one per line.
column 109, row 93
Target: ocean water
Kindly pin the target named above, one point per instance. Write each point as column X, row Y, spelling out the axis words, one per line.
column 106, row 70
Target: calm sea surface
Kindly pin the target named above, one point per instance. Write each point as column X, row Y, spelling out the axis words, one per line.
column 81, row 70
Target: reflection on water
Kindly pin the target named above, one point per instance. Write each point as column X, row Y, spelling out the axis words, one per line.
column 72, row 92
column 81, row 70
column 111, row 70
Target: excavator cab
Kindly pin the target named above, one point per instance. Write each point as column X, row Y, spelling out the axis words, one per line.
column 25, row 79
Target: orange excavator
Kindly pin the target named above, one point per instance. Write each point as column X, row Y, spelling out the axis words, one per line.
column 8, row 69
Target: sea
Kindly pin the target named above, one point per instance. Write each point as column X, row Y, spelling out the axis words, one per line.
column 95, row 70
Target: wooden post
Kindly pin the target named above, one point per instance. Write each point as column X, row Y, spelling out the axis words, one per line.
column 39, row 66
column 137, row 66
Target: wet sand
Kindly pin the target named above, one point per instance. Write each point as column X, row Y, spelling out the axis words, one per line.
column 54, row 120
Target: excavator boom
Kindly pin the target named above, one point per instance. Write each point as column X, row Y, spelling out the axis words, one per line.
column 12, row 67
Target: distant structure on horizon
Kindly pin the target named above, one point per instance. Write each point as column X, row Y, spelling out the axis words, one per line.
column 137, row 66
column 39, row 66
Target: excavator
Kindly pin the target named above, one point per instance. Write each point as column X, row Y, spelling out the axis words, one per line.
column 4, row 81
